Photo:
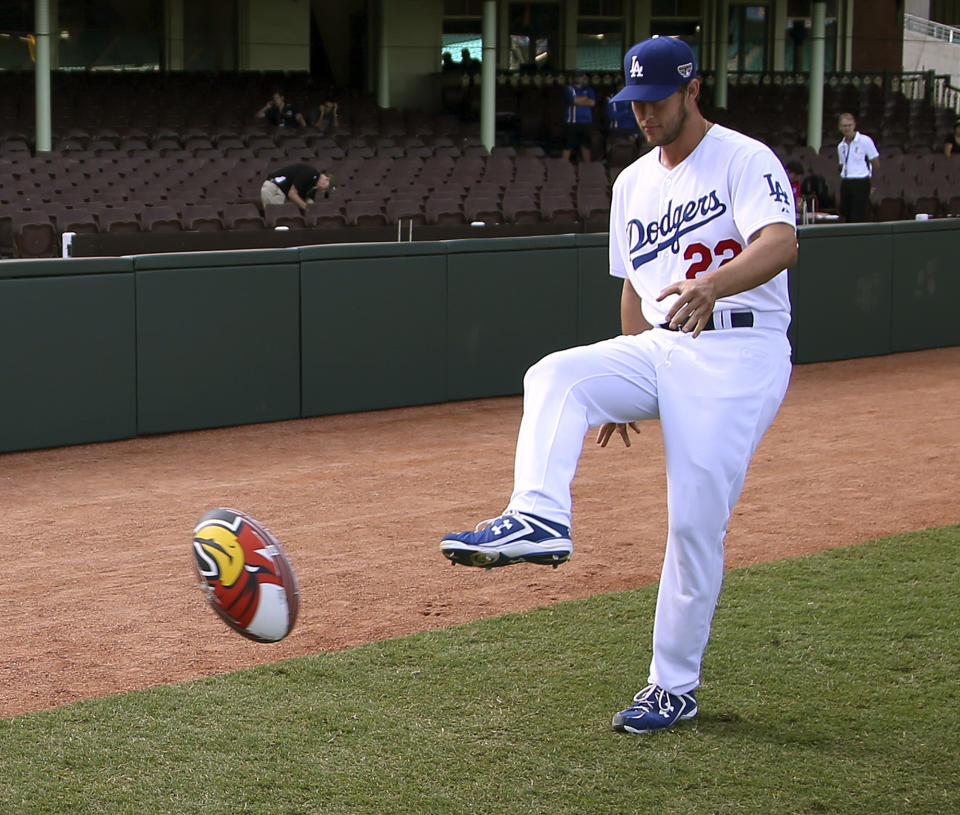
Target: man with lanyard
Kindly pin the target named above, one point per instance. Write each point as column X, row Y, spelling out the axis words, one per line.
column 858, row 157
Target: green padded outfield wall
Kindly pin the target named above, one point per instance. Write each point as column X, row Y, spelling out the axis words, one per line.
column 510, row 301
column 68, row 360
column 925, row 285
column 840, row 292
column 373, row 326
column 598, row 292
column 99, row 349
column 218, row 339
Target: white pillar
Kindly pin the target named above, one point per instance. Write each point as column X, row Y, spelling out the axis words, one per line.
column 722, row 54
column 42, row 75
column 817, row 55
column 568, row 57
column 848, row 36
column 383, row 67
column 488, row 76
column 779, row 35
column 641, row 21
column 173, row 35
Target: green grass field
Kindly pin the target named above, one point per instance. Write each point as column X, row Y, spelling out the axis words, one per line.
column 830, row 687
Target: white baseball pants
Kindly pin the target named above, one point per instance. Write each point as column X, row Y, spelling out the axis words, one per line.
column 715, row 396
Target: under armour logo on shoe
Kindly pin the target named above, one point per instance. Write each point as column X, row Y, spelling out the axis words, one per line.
column 498, row 528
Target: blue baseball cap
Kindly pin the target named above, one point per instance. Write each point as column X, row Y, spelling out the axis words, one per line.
column 655, row 68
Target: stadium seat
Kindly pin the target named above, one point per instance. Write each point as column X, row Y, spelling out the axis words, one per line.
column 928, row 204
column 34, row 235
column 485, row 208
column 443, row 210
column 200, row 218
column 160, row 219
column 891, row 208
column 327, row 213
column 520, row 209
column 242, row 216
column 405, row 209
column 558, row 208
column 82, row 219
column 118, row 219
column 286, row 214
column 365, row 212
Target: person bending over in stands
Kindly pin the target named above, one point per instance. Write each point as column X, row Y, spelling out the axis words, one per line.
column 299, row 183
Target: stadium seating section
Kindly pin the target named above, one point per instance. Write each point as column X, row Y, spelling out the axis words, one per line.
column 182, row 152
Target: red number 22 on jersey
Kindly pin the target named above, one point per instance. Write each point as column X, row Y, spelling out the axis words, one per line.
column 700, row 253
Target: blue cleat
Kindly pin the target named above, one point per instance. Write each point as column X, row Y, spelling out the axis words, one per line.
column 654, row 709
column 514, row 537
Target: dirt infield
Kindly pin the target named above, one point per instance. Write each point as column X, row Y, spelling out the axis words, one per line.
column 99, row 593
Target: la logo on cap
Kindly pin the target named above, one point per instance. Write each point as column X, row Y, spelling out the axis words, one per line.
column 636, row 69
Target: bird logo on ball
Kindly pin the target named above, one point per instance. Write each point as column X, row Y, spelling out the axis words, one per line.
column 239, row 565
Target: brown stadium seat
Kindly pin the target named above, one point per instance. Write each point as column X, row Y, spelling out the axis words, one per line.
column 229, row 142
column 594, row 206
column 326, row 213
column 34, row 235
column 444, row 188
column 164, row 143
column 484, row 208
column 365, row 212
column 390, row 151
column 929, row 204
column 82, row 219
column 242, row 216
column 520, row 209
column 443, row 210
column 286, row 214
column 405, row 209
column 891, row 208
column 119, row 219
column 558, row 208
column 200, row 218
column 160, row 219
column 360, row 151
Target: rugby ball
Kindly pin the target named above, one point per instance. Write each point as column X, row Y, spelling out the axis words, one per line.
column 245, row 575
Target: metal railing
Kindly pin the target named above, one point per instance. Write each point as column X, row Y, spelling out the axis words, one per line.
column 929, row 28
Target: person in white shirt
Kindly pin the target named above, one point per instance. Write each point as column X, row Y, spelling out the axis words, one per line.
column 858, row 157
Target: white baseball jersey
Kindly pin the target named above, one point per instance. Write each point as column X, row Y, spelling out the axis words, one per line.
column 856, row 156
column 667, row 225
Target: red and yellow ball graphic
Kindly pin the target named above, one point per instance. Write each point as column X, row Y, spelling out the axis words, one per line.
column 245, row 575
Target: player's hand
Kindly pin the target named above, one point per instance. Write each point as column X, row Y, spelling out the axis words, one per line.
column 606, row 431
column 694, row 304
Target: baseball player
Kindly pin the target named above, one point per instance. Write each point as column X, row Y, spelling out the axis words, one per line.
column 702, row 232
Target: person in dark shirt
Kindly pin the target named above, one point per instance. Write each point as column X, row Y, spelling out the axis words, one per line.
column 280, row 113
column 299, row 183
column 326, row 116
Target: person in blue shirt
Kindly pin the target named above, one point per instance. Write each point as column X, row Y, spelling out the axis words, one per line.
column 579, row 102
column 620, row 118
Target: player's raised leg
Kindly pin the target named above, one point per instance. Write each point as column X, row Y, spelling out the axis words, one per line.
column 565, row 394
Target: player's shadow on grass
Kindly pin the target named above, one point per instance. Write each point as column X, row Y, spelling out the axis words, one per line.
column 741, row 729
